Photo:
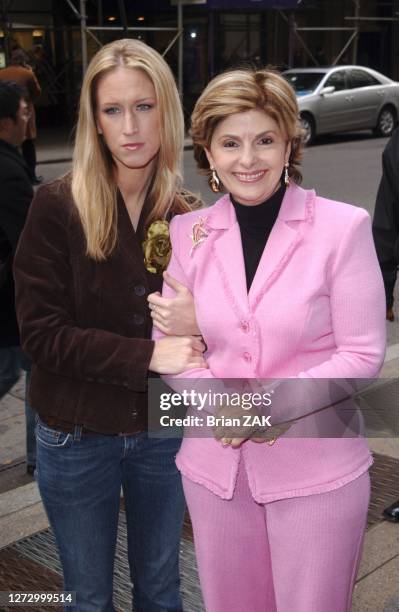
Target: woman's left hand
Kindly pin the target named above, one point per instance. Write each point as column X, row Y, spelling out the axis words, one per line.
column 269, row 437
column 174, row 316
column 235, row 435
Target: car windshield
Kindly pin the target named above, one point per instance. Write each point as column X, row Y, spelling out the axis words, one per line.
column 304, row 82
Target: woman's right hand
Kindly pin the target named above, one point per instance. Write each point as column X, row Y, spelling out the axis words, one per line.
column 176, row 354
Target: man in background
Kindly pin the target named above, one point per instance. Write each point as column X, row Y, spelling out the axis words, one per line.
column 386, row 238
column 16, row 194
column 386, row 219
column 20, row 72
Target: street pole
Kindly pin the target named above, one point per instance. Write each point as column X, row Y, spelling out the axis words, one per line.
column 180, row 47
column 356, row 36
column 100, row 17
column 123, row 16
column 291, row 33
column 83, row 34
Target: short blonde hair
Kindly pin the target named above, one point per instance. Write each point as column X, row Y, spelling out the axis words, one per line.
column 237, row 91
column 93, row 184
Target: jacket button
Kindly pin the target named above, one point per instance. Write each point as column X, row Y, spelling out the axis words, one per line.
column 139, row 290
column 244, row 326
column 247, row 357
column 138, row 319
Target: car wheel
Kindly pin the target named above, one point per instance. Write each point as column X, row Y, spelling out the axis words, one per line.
column 385, row 122
column 309, row 130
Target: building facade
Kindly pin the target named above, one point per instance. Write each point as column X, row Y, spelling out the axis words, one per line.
column 217, row 34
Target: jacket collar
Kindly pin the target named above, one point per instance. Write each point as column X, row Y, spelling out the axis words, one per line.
column 296, row 206
column 129, row 239
column 295, row 213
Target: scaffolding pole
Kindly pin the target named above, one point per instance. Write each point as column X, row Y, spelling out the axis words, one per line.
column 293, row 32
column 345, row 47
column 122, row 13
column 180, row 47
column 83, row 25
column 356, row 36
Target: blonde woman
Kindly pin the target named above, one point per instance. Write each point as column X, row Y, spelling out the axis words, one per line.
column 277, row 527
column 83, row 277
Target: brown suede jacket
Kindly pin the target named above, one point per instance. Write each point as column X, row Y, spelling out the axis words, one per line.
column 85, row 325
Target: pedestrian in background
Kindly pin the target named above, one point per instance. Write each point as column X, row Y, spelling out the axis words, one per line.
column 15, row 198
column 82, row 281
column 386, row 238
column 386, row 220
column 20, row 71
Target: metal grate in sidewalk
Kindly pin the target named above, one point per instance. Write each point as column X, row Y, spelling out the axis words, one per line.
column 19, row 573
column 384, row 475
column 32, row 564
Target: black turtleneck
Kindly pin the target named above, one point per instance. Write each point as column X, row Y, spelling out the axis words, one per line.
column 256, row 223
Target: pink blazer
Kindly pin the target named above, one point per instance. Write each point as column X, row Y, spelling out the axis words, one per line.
column 316, row 309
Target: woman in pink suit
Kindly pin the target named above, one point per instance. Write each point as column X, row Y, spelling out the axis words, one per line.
column 286, row 285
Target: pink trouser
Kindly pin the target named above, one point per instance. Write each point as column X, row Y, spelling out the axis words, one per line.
column 294, row 555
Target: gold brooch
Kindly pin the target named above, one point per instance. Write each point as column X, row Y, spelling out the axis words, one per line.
column 198, row 233
column 157, row 247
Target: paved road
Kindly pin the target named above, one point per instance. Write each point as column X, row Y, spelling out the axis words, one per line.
column 346, row 167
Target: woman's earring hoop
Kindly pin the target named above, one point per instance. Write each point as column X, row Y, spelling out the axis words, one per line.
column 214, row 181
column 286, row 175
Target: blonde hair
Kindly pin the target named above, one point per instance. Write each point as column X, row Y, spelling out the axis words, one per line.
column 237, row 91
column 94, row 187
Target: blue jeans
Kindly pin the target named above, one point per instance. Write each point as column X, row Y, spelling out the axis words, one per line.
column 80, row 477
column 12, row 360
column 30, row 421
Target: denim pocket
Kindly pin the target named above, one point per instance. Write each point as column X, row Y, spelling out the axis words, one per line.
column 51, row 437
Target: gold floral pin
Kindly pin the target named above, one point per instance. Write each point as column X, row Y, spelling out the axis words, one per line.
column 157, row 247
column 198, row 233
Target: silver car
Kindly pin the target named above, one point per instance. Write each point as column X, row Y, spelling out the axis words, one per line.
column 344, row 98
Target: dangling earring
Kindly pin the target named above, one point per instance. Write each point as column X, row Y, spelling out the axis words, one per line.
column 286, row 175
column 214, row 181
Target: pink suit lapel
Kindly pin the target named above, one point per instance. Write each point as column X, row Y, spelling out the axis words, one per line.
column 296, row 211
column 228, row 255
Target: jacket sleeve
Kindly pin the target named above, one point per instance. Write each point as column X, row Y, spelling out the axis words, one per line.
column 175, row 269
column 15, row 198
column 45, row 307
column 357, row 307
column 195, row 378
column 386, row 217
